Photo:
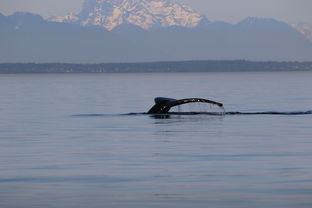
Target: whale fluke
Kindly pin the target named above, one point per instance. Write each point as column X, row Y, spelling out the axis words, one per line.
column 163, row 105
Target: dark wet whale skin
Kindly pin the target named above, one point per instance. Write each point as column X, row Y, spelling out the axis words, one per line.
column 163, row 105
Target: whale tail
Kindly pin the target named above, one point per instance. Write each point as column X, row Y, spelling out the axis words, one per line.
column 163, row 105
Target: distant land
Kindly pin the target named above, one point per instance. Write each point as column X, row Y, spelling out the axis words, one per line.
column 174, row 66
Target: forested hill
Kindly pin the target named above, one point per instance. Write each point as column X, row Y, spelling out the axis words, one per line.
column 179, row 66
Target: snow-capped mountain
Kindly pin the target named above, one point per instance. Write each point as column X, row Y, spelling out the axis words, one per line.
column 146, row 14
column 305, row 29
column 27, row 37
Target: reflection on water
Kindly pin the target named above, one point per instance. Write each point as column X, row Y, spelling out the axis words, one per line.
column 69, row 141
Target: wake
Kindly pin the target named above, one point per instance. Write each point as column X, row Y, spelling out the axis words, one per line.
column 271, row 113
column 288, row 113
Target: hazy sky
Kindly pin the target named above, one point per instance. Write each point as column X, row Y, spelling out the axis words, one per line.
column 292, row 11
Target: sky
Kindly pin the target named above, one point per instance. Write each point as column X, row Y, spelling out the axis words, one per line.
column 291, row 11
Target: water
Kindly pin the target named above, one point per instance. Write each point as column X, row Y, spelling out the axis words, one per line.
column 68, row 141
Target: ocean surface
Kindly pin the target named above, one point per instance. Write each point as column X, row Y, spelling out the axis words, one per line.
column 82, row 141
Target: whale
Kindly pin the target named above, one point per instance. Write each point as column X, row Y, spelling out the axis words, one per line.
column 163, row 104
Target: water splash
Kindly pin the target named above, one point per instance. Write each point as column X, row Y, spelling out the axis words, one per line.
column 198, row 108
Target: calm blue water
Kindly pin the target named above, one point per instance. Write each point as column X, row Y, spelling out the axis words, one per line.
column 64, row 142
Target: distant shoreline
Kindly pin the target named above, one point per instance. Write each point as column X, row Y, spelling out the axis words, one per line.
column 165, row 66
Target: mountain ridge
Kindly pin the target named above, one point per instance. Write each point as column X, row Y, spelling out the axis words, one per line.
column 149, row 14
column 27, row 37
column 305, row 29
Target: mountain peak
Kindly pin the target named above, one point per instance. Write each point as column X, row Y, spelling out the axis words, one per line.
column 146, row 14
